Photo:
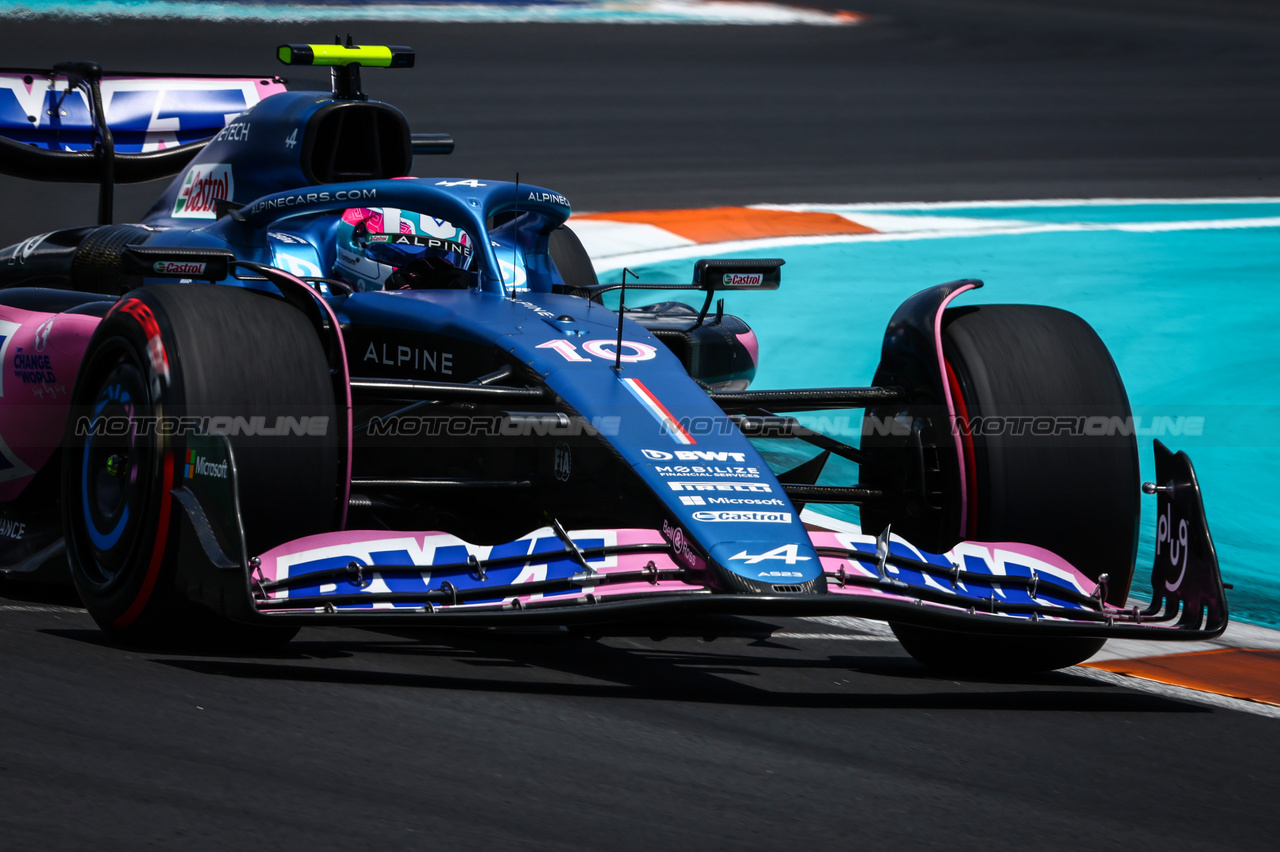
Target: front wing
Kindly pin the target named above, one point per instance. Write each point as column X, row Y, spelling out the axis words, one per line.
column 597, row 577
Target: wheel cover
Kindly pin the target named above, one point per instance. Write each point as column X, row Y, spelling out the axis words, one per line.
column 116, row 466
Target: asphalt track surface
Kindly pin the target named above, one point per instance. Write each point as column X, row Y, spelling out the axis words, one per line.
column 815, row 738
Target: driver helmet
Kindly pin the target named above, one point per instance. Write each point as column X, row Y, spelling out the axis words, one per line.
column 383, row 248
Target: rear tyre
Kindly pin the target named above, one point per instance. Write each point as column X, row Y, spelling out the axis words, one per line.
column 1074, row 494
column 199, row 351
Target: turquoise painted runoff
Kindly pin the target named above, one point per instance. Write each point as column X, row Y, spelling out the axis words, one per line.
column 1190, row 317
column 477, row 11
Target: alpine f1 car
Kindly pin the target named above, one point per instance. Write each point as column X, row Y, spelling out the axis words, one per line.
column 308, row 389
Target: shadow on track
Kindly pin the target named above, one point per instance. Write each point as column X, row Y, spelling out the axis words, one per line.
column 575, row 667
column 17, row 591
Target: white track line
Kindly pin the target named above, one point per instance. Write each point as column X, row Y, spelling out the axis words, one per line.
column 1178, row 693
column 1237, row 635
column 605, row 264
column 711, row 250
column 40, row 608
column 863, row 626
column 837, row 637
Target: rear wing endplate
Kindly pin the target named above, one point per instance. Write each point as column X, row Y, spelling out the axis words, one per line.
column 74, row 124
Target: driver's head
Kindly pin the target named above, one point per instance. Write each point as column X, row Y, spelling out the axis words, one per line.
column 382, row 248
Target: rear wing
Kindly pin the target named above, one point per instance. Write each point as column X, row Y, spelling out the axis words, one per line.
column 74, row 124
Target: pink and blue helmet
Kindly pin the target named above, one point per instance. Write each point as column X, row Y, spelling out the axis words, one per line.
column 383, row 248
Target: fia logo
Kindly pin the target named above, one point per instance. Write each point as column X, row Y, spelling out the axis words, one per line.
column 563, row 463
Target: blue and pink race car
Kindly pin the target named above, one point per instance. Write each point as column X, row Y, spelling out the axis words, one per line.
column 309, row 389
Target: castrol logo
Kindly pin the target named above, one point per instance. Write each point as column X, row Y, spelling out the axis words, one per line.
column 201, row 189
column 743, row 279
column 174, row 267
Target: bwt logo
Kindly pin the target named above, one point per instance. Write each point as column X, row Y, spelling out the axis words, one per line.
column 743, row 279
column 175, row 267
column 693, row 455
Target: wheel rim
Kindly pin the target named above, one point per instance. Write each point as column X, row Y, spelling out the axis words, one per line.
column 116, row 462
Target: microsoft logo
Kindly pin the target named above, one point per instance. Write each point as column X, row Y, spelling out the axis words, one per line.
column 200, row 466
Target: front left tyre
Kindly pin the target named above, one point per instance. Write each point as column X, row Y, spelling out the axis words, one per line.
column 198, row 351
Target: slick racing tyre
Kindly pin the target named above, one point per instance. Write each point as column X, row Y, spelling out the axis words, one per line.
column 1062, row 488
column 197, row 351
column 571, row 259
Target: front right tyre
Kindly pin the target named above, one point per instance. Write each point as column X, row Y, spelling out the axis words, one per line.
column 1034, row 371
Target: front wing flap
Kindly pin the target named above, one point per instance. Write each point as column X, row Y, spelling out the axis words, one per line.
column 594, row 577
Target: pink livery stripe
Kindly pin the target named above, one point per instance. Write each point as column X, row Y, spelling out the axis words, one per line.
column 659, row 411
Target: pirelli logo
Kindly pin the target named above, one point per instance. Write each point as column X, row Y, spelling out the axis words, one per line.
column 752, row 487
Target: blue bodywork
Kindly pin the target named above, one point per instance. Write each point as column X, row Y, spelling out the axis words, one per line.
column 711, row 481
column 653, row 502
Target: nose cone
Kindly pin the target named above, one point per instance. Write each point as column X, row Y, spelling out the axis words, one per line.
column 757, row 567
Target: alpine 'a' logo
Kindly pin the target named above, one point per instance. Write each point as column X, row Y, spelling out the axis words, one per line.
column 201, row 188
column 788, row 553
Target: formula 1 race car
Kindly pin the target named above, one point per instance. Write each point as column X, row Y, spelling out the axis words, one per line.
column 308, row 389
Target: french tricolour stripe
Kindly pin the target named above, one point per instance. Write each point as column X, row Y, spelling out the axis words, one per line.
column 659, row 411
